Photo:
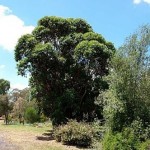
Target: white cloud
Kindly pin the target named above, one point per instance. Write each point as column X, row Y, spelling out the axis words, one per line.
column 11, row 28
column 136, row 1
column 18, row 86
column 2, row 67
column 140, row 1
column 147, row 1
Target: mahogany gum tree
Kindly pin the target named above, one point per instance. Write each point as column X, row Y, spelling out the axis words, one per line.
column 66, row 60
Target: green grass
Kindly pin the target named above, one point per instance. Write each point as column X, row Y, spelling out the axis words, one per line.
column 26, row 127
column 22, row 134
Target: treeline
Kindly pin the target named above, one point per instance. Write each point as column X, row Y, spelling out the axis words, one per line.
column 16, row 106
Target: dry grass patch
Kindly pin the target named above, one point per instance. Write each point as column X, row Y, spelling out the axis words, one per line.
column 26, row 137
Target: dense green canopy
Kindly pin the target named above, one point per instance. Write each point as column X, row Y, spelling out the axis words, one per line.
column 66, row 60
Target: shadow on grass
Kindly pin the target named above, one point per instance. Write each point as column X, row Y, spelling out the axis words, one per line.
column 48, row 136
column 82, row 147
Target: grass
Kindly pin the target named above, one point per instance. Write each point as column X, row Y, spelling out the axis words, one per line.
column 30, row 137
column 25, row 128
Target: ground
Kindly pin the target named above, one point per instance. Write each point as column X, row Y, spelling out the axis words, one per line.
column 29, row 137
column 5, row 145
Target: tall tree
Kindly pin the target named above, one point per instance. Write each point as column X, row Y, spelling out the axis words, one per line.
column 128, row 96
column 66, row 60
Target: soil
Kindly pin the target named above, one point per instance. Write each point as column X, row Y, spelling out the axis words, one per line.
column 6, row 145
column 23, row 140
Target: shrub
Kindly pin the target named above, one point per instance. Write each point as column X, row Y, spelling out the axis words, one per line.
column 43, row 118
column 134, row 137
column 120, row 141
column 75, row 133
column 140, row 130
column 31, row 115
column 145, row 145
column 99, row 130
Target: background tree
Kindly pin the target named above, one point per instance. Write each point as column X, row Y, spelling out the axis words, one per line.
column 19, row 107
column 66, row 60
column 127, row 99
column 4, row 86
column 21, row 103
column 5, row 104
column 16, row 93
column 5, row 107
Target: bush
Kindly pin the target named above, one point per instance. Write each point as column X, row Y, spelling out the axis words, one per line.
column 134, row 137
column 120, row 141
column 31, row 115
column 43, row 118
column 75, row 133
column 99, row 130
column 145, row 145
column 141, row 131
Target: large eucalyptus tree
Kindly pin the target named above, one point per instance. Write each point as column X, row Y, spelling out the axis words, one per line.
column 66, row 60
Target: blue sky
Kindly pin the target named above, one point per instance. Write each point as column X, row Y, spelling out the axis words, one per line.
column 114, row 19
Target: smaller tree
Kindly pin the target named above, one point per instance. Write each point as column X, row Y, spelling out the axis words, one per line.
column 19, row 107
column 127, row 99
column 4, row 86
column 5, row 107
column 20, row 99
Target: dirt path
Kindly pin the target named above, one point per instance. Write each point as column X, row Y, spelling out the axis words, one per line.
column 24, row 141
column 28, row 142
column 25, row 138
column 5, row 145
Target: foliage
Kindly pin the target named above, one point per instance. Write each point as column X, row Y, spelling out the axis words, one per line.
column 4, row 86
column 31, row 115
column 21, row 100
column 15, row 94
column 145, row 145
column 19, row 107
column 43, row 118
column 140, row 131
column 130, row 138
column 75, row 133
column 128, row 96
column 99, row 130
column 5, row 105
column 120, row 141
column 66, row 60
